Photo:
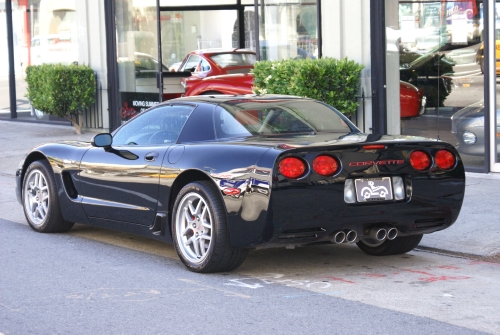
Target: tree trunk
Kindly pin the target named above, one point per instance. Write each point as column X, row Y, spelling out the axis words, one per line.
column 75, row 120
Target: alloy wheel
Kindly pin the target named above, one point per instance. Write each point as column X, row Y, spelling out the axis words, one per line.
column 193, row 224
column 37, row 197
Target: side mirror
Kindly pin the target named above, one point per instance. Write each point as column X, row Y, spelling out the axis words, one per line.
column 103, row 140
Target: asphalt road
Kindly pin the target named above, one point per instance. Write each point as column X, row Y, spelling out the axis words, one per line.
column 97, row 281
column 73, row 284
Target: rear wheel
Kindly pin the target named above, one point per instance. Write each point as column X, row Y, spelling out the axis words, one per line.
column 200, row 230
column 40, row 200
column 400, row 245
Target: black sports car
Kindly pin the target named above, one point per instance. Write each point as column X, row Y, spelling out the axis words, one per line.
column 219, row 175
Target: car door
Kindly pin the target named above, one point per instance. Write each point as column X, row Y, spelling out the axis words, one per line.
column 121, row 183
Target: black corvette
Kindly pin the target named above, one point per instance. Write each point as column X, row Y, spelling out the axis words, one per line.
column 219, row 175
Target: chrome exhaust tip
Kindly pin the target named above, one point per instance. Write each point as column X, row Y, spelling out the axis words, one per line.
column 350, row 236
column 337, row 237
column 378, row 234
column 392, row 233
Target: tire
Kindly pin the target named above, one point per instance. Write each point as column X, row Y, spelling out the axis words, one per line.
column 40, row 200
column 200, row 233
column 399, row 245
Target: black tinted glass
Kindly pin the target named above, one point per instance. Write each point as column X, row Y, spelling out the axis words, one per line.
column 200, row 126
column 238, row 118
column 161, row 125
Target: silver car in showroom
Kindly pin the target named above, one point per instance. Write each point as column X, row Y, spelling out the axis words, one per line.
column 467, row 125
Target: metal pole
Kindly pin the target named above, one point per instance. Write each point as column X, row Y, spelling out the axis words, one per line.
column 109, row 12
column 12, row 72
column 320, row 31
column 489, row 81
column 256, row 37
column 160, row 62
column 378, row 54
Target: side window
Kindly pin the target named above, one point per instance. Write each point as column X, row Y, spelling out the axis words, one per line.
column 203, row 66
column 227, row 125
column 160, row 125
column 191, row 63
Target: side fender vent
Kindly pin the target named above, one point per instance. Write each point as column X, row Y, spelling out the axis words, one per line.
column 69, row 186
column 302, row 233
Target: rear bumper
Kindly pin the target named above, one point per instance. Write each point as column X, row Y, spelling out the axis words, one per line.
column 314, row 212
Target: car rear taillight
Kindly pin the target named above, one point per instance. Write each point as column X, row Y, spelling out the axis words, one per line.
column 292, row 167
column 445, row 159
column 325, row 165
column 420, row 160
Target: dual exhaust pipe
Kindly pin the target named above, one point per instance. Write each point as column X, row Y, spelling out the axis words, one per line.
column 376, row 233
column 344, row 236
column 381, row 234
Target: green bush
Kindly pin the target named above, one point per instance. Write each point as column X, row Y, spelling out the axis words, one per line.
column 61, row 90
column 333, row 81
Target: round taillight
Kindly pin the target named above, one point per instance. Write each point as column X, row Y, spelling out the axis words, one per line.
column 420, row 160
column 445, row 159
column 292, row 167
column 325, row 165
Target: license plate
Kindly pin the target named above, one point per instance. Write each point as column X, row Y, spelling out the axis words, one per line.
column 373, row 189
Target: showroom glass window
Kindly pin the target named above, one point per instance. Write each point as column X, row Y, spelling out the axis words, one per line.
column 183, row 28
column 137, row 50
column 436, row 46
column 44, row 32
column 288, row 29
column 495, row 118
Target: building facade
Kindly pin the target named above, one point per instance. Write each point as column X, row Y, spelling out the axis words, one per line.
column 443, row 49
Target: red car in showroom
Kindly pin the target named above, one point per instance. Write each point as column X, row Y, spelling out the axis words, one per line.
column 412, row 100
column 214, row 62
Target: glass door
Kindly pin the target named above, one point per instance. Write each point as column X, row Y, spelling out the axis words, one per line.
column 288, row 30
column 442, row 79
column 186, row 31
column 495, row 112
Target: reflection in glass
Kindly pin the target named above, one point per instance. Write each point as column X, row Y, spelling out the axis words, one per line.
column 43, row 32
column 440, row 45
column 288, row 31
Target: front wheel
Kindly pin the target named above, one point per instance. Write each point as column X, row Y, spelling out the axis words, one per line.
column 400, row 245
column 200, row 232
column 40, row 201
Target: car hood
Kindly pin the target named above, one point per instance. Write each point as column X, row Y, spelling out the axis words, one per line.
column 471, row 114
column 474, row 111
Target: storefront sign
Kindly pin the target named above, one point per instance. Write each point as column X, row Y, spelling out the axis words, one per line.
column 134, row 103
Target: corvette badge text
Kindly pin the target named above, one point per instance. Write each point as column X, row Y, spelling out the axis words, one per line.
column 384, row 162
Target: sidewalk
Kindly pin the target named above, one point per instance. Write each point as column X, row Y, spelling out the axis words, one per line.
column 476, row 234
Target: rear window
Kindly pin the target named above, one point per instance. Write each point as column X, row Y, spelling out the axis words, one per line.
column 234, row 59
column 278, row 118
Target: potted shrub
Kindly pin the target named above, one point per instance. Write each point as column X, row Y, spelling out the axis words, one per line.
column 333, row 81
column 61, row 90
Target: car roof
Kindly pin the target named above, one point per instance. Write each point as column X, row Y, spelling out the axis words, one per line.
column 235, row 99
column 221, row 51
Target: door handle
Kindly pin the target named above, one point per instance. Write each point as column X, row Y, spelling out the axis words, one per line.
column 151, row 156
